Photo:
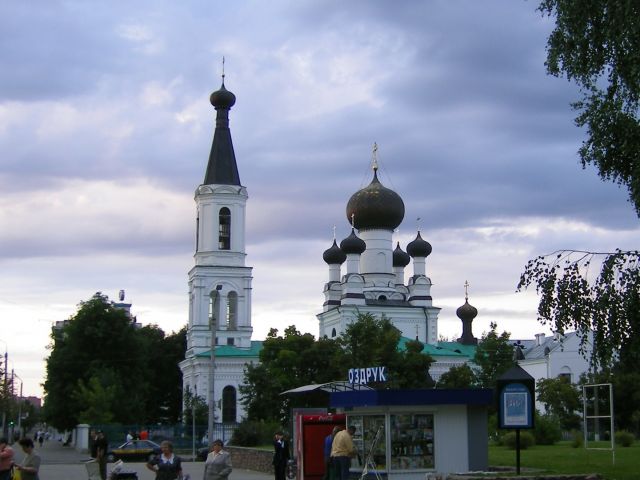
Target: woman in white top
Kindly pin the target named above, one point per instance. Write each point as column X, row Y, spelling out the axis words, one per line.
column 218, row 463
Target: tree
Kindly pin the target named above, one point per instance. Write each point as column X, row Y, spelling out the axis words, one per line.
column 458, row 376
column 287, row 362
column 561, row 400
column 494, row 356
column 195, row 404
column 101, row 368
column 596, row 44
column 606, row 307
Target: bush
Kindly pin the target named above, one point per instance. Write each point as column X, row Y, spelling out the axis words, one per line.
column 624, row 438
column 547, row 430
column 526, row 440
column 577, row 439
column 251, row 434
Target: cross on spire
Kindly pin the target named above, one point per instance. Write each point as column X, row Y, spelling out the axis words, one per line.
column 353, row 220
column 223, row 69
column 466, row 290
column 334, row 232
column 374, row 159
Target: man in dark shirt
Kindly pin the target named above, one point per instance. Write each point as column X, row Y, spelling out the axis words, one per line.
column 102, row 446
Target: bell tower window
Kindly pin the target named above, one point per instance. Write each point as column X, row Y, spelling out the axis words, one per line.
column 224, row 226
column 232, row 311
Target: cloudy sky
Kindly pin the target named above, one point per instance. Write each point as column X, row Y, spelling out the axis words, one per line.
column 105, row 131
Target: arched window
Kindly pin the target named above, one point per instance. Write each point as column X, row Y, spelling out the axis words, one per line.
column 232, row 311
column 214, row 306
column 333, row 333
column 224, row 226
column 229, row 404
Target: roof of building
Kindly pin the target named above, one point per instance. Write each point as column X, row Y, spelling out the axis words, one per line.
column 228, row 351
column 222, row 168
column 533, row 351
column 444, row 349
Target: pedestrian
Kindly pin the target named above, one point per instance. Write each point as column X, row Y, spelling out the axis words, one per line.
column 31, row 462
column 166, row 465
column 40, row 438
column 342, row 451
column 102, row 446
column 280, row 456
column 6, row 459
column 328, row 465
column 129, row 437
column 218, row 463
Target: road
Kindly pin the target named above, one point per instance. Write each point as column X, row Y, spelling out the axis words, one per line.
column 64, row 463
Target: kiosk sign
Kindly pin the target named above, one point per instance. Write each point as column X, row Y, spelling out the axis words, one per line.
column 362, row 376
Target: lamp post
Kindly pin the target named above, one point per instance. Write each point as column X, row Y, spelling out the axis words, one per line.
column 4, row 389
column 193, row 421
column 212, row 365
column 19, row 403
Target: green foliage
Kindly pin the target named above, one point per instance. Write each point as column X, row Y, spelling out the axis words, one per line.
column 577, row 439
column 102, row 369
column 624, row 438
column 526, row 440
column 296, row 359
column 459, row 376
column 547, row 430
column 288, row 362
column 596, row 44
column 252, row 434
column 606, row 307
column 494, row 356
column 561, row 399
column 195, row 404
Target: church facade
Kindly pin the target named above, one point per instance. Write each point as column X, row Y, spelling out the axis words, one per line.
column 373, row 280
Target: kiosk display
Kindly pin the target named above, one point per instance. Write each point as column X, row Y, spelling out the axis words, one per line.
column 366, row 428
column 411, row 442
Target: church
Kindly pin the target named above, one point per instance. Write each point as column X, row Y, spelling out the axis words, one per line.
column 373, row 280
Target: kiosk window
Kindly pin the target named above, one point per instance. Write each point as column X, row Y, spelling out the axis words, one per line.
column 411, row 442
column 370, row 440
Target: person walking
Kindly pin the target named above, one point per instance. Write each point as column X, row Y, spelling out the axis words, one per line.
column 342, row 451
column 218, row 463
column 166, row 465
column 280, row 456
column 6, row 459
column 102, row 446
column 328, row 465
column 31, row 463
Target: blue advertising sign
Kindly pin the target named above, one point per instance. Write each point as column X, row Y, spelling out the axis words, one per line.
column 362, row 376
column 516, row 406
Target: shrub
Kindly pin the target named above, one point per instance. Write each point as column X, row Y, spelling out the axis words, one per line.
column 577, row 438
column 624, row 438
column 251, row 434
column 526, row 440
column 547, row 430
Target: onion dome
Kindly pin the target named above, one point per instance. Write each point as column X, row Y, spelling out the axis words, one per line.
column 419, row 247
column 400, row 257
column 467, row 311
column 333, row 255
column 223, row 98
column 353, row 244
column 375, row 207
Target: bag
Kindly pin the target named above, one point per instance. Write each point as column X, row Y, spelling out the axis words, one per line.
column 16, row 474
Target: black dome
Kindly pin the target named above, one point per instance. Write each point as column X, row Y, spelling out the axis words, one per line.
column 467, row 311
column 334, row 255
column 419, row 247
column 222, row 98
column 375, row 207
column 400, row 257
column 353, row 244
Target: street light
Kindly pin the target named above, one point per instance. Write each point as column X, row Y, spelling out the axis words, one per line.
column 13, row 374
column 212, row 365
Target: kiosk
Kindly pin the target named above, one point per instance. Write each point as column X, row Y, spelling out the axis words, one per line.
column 406, row 434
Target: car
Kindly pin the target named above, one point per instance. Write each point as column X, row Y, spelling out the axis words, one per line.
column 141, row 450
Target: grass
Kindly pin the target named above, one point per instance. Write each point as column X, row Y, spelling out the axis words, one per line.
column 563, row 458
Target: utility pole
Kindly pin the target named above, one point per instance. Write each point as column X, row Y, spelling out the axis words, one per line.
column 4, row 394
column 212, row 366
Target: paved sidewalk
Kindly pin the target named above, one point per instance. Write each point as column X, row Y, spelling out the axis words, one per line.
column 65, row 463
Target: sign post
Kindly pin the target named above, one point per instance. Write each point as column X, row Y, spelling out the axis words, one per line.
column 516, row 403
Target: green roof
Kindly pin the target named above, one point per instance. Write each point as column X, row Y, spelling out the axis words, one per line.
column 233, row 351
column 443, row 349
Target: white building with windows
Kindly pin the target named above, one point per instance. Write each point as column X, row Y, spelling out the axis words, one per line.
column 220, row 281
